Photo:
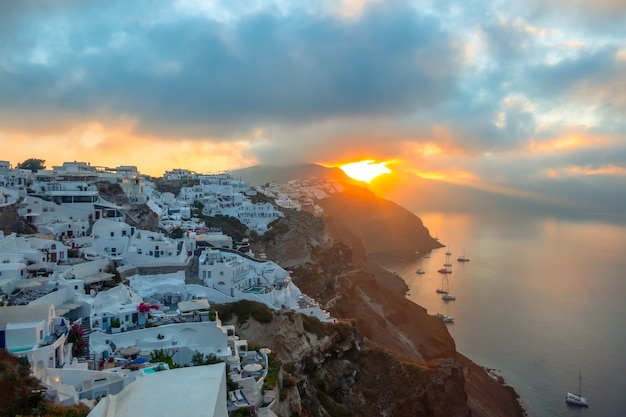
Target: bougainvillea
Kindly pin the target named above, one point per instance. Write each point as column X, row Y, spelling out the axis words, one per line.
column 75, row 336
column 146, row 307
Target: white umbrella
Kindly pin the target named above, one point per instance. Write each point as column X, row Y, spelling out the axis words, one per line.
column 130, row 351
column 265, row 351
column 252, row 367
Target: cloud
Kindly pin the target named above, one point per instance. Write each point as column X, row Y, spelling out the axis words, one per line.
column 196, row 76
column 491, row 94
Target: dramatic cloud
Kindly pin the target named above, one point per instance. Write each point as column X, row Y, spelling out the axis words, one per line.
column 491, row 95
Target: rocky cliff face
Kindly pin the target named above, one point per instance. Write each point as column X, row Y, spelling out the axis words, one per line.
column 10, row 221
column 336, row 374
column 408, row 364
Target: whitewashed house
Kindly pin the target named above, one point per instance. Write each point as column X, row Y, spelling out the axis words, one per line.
column 231, row 276
column 35, row 332
column 112, row 238
column 115, row 310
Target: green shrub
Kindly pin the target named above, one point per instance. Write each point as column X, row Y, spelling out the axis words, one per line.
column 245, row 309
column 273, row 368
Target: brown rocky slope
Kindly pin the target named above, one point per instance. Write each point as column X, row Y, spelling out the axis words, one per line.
column 331, row 262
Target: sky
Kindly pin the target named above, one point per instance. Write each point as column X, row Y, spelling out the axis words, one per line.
column 520, row 98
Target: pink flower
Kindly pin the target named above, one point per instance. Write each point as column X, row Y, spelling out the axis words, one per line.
column 146, row 307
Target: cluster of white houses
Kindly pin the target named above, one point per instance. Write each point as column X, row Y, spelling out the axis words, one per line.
column 47, row 296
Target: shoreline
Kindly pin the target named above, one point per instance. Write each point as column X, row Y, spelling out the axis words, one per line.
column 488, row 394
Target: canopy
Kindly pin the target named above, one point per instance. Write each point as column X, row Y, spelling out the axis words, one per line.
column 69, row 306
column 97, row 277
column 28, row 283
column 194, row 305
column 61, row 311
column 266, row 351
column 38, row 266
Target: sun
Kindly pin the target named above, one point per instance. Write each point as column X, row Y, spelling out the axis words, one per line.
column 365, row 170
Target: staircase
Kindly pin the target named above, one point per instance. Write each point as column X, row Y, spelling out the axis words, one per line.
column 85, row 355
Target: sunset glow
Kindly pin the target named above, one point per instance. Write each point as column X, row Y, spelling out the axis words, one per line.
column 412, row 85
column 365, row 170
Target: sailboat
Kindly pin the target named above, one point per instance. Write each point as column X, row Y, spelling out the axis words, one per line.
column 420, row 270
column 447, row 264
column 577, row 399
column 462, row 258
column 446, row 296
column 441, row 290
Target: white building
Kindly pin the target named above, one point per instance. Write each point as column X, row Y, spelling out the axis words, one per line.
column 198, row 391
column 34, row 332
column 231, row 276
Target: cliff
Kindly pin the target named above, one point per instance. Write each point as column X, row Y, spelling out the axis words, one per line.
column 328, row 370
column 331, row 259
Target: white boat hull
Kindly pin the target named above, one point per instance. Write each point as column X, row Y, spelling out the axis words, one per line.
column 576, row 399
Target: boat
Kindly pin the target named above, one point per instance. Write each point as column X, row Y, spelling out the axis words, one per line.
column 577, row 399
column 447, row 259
column 446, row 295
column 445, row 318
column 420, row 271
column 444, row 271
column 441, row 290
column 463, row 258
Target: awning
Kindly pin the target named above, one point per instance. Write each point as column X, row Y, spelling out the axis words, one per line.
column 70, row 306
column 38, row 266
column 61, row 311
column 98, row 277
column 194, row 305
column 28, row 283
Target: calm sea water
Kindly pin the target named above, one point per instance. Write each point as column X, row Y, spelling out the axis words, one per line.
column 541, row 300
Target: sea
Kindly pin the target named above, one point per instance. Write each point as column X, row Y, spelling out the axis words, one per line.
column 541, row 302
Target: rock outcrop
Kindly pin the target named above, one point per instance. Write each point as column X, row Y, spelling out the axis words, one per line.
column 335, row 373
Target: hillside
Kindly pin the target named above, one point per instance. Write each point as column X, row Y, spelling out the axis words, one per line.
column 331, row 259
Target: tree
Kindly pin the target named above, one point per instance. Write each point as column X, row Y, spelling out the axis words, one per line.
column 33, row 164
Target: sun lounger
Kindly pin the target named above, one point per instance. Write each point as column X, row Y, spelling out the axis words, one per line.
column 238, row 395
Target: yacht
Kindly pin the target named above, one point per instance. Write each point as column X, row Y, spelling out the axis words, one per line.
column 577, row 399
column 445, row 318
